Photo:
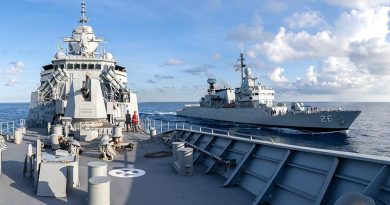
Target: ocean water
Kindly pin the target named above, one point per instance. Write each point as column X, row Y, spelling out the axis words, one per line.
column 369, row 134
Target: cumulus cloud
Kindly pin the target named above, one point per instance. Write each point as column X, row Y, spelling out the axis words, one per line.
column 164, row 76
column 290, row 45
column 204, row 69
column 173, row 62
column 334, row 75
column 353, row 53
column 305, row 19
column 363, row 25
column 16, row 67
column 277, row 75
column 358, row 4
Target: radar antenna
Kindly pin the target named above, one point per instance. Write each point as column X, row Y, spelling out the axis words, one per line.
column 240, row 65
column 211, row 82
column 83, row 19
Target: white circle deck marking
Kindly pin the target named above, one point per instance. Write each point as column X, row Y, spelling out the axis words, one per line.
column 127, row 173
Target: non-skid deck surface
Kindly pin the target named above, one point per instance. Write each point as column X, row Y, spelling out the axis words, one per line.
column 160, row 184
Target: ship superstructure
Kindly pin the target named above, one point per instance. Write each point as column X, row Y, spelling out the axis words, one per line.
column 83, row 83
column 253, row 103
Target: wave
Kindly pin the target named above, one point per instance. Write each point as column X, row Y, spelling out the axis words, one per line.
column 158, row 113
column 303, row 132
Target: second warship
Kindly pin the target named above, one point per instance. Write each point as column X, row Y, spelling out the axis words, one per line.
column 254, row 104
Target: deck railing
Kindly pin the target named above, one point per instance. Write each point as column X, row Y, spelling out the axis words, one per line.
column 165, row 126
column 9, row 127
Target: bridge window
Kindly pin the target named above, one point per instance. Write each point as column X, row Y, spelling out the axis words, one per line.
column 83, row 66
column 91, row 66
column 62, row 66
column 77, row 66
column 98, row 67
column 69, row 66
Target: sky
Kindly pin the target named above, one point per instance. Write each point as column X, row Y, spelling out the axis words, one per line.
column 307, row 50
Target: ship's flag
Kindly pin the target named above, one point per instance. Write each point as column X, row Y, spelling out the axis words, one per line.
column 59, row 47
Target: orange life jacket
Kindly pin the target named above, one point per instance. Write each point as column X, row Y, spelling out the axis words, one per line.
column 134, row 120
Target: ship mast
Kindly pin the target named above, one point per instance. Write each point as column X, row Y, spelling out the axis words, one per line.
column 83, row 19
column 241, row 65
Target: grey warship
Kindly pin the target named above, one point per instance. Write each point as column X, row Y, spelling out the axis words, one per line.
column 253, row 103
column 178, row 165
column 83, row 83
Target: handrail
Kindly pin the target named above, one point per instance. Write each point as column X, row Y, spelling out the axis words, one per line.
column 165, row 126
column 9, row 127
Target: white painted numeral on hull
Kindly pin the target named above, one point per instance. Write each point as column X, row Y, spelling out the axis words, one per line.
column 325, row 119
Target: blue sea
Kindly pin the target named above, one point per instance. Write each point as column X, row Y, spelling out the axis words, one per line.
column 369, row 134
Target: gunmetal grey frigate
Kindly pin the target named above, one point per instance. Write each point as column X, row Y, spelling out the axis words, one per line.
column 253, row 104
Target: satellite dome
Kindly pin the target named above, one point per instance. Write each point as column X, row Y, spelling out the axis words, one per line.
column 248, row 71
column 108, row 56
column 59, row 55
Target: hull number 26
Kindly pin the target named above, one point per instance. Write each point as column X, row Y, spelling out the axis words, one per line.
column 326, row 118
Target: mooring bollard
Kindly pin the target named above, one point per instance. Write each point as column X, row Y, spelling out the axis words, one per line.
column 117, row 131
column 175, row 147
column 18, row 137
column 28, row 164
column 186, row 160
column 99, row 190
column 97, row 168
column 152, row 133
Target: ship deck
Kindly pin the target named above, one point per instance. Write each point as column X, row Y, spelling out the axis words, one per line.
column 160, row 185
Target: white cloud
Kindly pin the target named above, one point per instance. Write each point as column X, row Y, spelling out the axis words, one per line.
column 305, row 20
column 311, row 76
column 251, row 53
column 358, row 4
column 353, row 55
column 173, row 62
column 289, row 45
column 363, row 25
column 372, row 55
column 335, row 75
column 277, row 75
column 11, row 82
column 16, row 67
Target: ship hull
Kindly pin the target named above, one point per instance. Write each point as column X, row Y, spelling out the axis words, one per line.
column 322, row 121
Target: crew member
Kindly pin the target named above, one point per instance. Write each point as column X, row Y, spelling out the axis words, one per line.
column 128, row 120
column 134, row 121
